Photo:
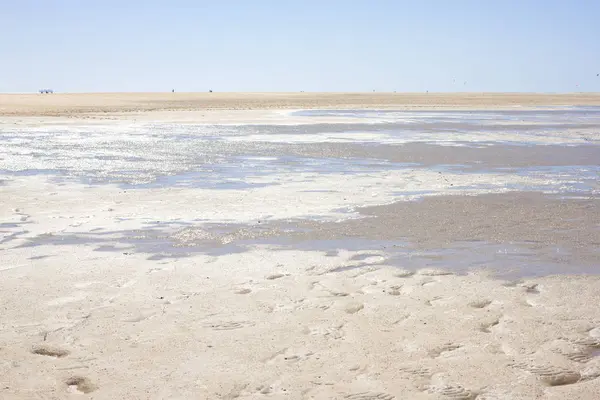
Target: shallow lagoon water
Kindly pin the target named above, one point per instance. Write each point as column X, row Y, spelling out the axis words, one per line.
column 225, row 157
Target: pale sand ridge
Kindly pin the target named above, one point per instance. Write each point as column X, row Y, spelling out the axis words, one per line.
column 88, row 103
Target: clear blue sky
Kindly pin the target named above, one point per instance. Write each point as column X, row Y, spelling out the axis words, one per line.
column 310, row 45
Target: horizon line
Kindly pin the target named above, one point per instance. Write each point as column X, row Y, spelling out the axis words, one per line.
column 303, row 92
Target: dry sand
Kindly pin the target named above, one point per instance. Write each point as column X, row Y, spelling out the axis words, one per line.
column 100, row 104
column 285, row 326
column 79, row 321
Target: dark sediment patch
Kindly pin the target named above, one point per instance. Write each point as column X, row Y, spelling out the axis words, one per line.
column 521, row 233
column 497, row 218
column 426, row 155
column 549, row 229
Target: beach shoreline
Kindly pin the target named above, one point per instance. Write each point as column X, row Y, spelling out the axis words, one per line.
column 148, row 255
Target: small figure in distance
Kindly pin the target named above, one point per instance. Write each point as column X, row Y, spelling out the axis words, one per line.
column 210, row 91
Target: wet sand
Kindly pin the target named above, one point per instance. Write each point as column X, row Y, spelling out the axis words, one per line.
column 429, row 155
column 562, row 230
column 162, row 260
column 555, row 234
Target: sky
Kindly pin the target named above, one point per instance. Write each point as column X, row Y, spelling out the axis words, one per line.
column 309, row 45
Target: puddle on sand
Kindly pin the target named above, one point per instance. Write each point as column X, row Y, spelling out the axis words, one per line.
column 508, row 261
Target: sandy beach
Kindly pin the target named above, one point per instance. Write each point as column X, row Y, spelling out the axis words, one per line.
column 154, row 105
column 300, row 246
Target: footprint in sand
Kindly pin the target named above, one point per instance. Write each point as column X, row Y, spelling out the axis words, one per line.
column 452, row 392
column 80, row 384
column 482, row 303
column 369, row 396
column 587, row 341
column 353, row 308
column 531, row 288
column 394, row 290
column 549, row 374
column 422, row 372
column 243, row 291
column 486, row 327
column 272, row 277
column 49, row 351
column 329, row 332
column 445, row 348
column 288, row 355
column 584, row 348
column 228, row 325
column 582, row 356
column 264, row 389
column 338, row 294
